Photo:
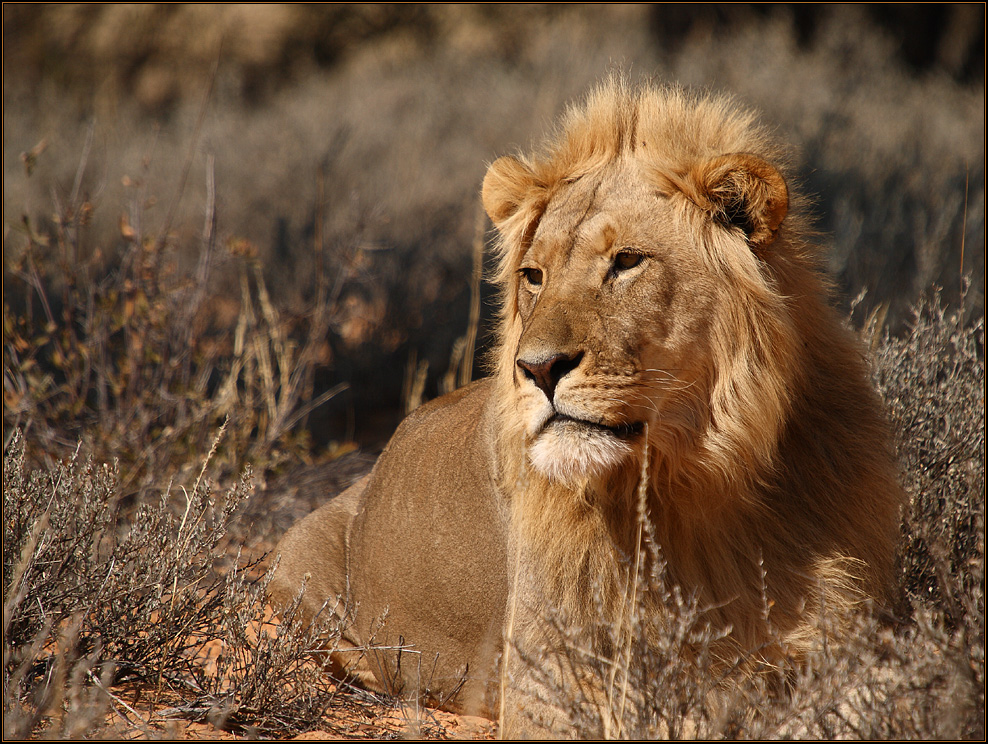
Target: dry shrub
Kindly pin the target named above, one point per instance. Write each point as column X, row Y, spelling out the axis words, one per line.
column 933, row 382
column 123, row 600
column 102, row 612
column 147, row 358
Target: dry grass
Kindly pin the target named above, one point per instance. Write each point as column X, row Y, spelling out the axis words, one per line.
column 97, row 605
column 146, row 360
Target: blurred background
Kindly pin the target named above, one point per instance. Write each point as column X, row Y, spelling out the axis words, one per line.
column 338, row 151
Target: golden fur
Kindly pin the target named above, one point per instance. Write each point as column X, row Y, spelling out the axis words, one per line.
column 663, row 310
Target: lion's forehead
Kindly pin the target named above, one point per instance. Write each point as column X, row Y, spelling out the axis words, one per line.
column 595, row 215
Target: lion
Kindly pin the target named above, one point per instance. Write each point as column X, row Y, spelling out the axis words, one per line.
column 667, row 345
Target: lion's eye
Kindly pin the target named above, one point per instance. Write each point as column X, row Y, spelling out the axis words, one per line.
column 533, row 276
column 625, row 260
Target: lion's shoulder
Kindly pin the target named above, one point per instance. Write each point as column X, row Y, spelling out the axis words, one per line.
column 450, row 419
column 451, row 434
column 469, row 400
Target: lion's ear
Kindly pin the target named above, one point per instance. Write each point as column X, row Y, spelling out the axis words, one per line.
column 745, row 191
column 507, row 185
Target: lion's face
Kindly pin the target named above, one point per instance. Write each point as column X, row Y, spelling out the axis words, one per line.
column 611, row 303
column 637, row 305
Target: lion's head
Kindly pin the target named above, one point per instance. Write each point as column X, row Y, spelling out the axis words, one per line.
column 648, row 274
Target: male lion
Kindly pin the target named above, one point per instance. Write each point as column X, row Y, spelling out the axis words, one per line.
column 664, row 318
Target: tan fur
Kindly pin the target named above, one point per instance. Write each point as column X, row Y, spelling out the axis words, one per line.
column 714, row 361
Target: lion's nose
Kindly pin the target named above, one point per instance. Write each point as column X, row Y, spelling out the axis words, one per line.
column 547, row 374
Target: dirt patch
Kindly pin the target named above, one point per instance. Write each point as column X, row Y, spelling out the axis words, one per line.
column 142, row 712
column 349, row 721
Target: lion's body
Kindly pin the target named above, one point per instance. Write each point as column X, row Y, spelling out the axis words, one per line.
column 369, row 546
column 664, row 321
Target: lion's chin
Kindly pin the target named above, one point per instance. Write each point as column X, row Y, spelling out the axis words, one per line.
column 571, row 452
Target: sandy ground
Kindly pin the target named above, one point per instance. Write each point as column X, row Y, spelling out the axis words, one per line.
column 341, row 724
column 132, row 717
